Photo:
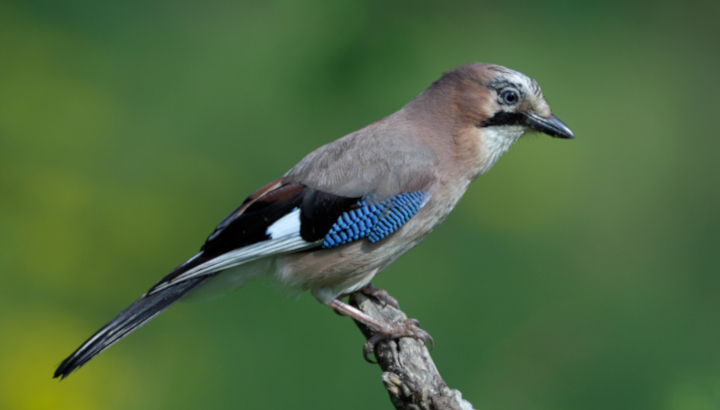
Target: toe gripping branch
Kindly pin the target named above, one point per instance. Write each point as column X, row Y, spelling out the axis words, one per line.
column 385, row 322
column 409, row 374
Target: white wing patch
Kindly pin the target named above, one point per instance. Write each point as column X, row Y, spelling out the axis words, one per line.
column 288, row 225
column 284, row 237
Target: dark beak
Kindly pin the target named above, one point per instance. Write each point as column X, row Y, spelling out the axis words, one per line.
column 551, row 126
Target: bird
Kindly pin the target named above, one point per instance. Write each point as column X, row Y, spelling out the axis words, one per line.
column 351, row 207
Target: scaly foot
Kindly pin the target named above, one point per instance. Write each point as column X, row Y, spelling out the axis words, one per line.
column 382, row 331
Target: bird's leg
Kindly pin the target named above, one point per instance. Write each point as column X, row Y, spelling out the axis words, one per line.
column 381, row 331
column 362, row 317
column 381, row 295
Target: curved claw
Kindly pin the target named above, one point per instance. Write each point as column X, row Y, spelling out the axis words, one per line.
column 421, row 334
column 369, row 347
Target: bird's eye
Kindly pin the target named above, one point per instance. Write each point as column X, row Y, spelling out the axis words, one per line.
column 509, row 96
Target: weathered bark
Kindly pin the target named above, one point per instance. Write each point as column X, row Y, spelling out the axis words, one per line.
column 409, row 373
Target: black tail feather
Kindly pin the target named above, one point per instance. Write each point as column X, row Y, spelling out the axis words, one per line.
column 137, row 314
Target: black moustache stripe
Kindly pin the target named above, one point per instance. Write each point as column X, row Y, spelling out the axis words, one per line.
column 505, row 118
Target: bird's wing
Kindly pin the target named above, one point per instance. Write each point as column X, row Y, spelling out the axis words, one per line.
column 289, row 217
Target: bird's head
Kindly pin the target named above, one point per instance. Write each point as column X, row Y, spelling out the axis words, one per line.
column 489, row 107
column 514, row 100
column 497, row 98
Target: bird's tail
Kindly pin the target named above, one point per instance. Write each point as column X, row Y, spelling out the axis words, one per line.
column 136, row 315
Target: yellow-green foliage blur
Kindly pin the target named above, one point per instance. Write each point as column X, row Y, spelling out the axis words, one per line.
column 575, row 275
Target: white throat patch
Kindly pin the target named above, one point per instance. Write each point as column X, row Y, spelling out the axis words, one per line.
column 497, row 139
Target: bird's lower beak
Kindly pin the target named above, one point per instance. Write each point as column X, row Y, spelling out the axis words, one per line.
column 551, row 126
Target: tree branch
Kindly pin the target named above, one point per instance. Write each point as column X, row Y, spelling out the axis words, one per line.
column 409, row 373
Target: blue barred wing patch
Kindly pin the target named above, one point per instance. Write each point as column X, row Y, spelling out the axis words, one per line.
column 374, row 221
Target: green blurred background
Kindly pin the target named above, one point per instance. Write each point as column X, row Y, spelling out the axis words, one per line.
column 576, row 275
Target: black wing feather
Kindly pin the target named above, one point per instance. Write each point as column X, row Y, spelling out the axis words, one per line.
column 319, row 211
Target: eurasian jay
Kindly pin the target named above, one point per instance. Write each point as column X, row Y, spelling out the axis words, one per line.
column 351, row 207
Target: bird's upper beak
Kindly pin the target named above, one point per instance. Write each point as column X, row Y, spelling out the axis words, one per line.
column 551, row 126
